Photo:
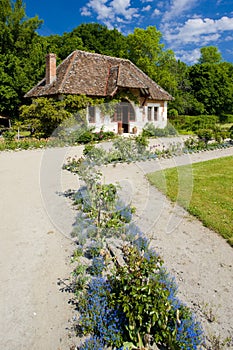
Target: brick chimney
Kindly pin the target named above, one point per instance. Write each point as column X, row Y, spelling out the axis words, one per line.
column 50, row 68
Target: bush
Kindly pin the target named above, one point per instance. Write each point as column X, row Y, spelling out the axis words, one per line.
column 9, row 135
column 193, row 123
column 204, row 135
column 173, row 113
column 104, row 135
column 147, row 297
column 151, row 131
column 226, row 118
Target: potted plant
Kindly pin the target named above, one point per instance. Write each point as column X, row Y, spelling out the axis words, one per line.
column 134, row 130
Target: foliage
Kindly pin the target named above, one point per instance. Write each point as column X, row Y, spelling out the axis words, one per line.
column 150, row 130
column 9, row 135
column 21, row 51
column 45, row 115
column 103, row 211
column 97, row 316
column 212, row 85
column 226, row 118
column 194, row 123
column 147, row 297
column 173, row 113
column 124, row 150
column 140, row 296
column 98, row 38
column 204, row 135
column 23, row 144
column 210, row 54
column 146, row 52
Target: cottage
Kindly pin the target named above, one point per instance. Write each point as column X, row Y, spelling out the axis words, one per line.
column 100, row 76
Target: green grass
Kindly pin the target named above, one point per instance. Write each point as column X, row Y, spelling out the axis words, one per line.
column 205, row 189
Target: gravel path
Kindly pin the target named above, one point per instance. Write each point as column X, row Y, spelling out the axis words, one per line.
column 35, row 246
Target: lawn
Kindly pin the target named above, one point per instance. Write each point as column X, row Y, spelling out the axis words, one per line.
column 205, row 189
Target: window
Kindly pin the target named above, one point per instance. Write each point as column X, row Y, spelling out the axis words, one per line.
column 118, row 113
column 152, row 113
column 131, row 114
column 124, row 108
column 149, row 114
column 91, row 114
column 156, row 113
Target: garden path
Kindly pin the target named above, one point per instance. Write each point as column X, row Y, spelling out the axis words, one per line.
column 36, row 246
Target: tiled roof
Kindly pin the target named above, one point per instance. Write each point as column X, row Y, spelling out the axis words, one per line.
column 98, row 75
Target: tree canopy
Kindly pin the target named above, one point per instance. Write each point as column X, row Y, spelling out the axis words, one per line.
column 210, row 54
column 21, row 54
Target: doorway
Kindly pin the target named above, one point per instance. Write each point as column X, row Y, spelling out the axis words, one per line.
column 125, row 113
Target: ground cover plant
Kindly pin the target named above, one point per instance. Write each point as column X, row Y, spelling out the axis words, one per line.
column 124, row 297
column 62, row 138
column 212, row 195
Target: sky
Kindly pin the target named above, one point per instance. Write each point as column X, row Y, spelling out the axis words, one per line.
column 185, row 25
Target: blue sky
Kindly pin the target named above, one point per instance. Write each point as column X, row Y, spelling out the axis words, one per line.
column 186, row 25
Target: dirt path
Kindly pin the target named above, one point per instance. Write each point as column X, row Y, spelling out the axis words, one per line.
column 35, row 246
column 34, row 254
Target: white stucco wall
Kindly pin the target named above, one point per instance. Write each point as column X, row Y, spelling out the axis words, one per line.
column 141, row 118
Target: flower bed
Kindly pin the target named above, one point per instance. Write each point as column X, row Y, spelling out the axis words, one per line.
column 124, row 296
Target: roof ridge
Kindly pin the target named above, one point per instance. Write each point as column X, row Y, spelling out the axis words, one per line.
column 74, row 53
column 101, row 55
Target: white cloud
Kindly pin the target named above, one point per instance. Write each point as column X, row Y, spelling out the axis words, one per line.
column 109, row 11
column 122, row 7
column 178, row 7
column 156, row 12
column 143, row 1
column 189, row 57
column 98, row 6
column 146, row 8
column 85, row 11
column 229, row 38
column 198, row 30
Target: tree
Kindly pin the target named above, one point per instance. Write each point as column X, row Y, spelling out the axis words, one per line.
column 144, row 49
column 20, row 55
column 64, row 45
column 98, row 38
column 212, row 85
column 210, row 54
column 17, row 31
column 44, row 115
column 147, row 53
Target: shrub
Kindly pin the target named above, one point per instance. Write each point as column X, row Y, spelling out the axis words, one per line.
column 193, row 123
column 9, row 135
column 150, row 130
column 104, row 135
column 226, row 118
column 98, row 317
column 173, row 113
column 97, row 266
column 204, row 135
